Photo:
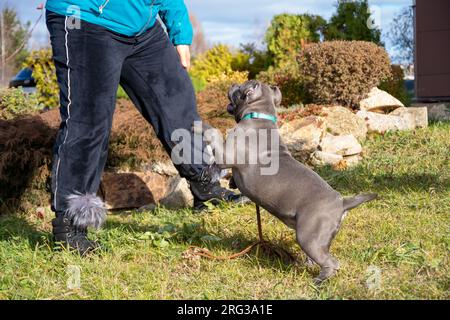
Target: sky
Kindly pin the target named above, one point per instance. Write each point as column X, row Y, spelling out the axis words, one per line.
column 234, row 21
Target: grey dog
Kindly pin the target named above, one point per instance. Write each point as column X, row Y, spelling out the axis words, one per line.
column 295, row 194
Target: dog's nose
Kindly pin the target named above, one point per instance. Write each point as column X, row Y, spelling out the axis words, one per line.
column 230, row 109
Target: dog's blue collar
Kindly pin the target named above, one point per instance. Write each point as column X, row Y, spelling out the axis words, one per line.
column 257, row 115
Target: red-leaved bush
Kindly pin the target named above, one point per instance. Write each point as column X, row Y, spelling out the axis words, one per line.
column 343, row 72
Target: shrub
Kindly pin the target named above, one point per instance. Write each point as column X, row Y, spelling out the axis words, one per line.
column 343, row 72
column 290, row 82
column 284, row 37
column 396, row 85
column 251, row 59
column 121, row 94
column 238, row 77
column 218, row 61
column 350, row 22
column 133, row 141
column 15, row 102
column 25, row 158
column 26, row 152
column 213, row 100
column 44, row 73
column 198, row 83
column 213, row 62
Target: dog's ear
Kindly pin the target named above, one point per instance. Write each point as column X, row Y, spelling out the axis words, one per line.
column 277, row 96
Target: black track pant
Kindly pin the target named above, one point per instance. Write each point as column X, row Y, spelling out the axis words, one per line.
column 91, row 62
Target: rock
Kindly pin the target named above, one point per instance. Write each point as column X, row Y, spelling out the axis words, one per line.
column 132, row 190
column 302, row 136
column 164, row 168
column 418, row 117
column 320, row 158
column 352, row 161
column 341, row 145
column 436, row 111
column 381, row 123
column 341, row 121
column 179, row 194
column 379, row 101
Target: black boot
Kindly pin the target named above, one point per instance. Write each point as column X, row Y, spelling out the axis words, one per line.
column 73, row 238
column 70, row 227
column 206, row 187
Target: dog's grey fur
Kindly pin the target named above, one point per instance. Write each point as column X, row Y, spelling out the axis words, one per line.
column 295, row 194
column 86, row 210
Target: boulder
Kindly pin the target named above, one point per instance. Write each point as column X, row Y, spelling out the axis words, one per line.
column 178, row 195
column 381, row 123
column 302, row 136
column 132, row 189
column 346, row 145
column 352, row 161
column 379, row 101
column 418, row 117
column 341, row 121
column 320, row 158
column 164, row 168
column 438, row 111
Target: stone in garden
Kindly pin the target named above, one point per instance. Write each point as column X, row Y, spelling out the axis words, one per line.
column 178, row 195
column 381, row 123
column 341, row 145
column 320, row 158
column 302, row 136
column 352, row 161
column 438, row 111
column 164, row 168
column 418, row 117
column 341, row 121
column 379, row 101
column 133, row 189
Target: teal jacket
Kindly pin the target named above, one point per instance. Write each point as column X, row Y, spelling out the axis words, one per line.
column 130, row 17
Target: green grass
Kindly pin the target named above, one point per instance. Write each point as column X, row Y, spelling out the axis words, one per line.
column 405, row 235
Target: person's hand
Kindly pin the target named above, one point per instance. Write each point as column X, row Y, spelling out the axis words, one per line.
column 185, row 55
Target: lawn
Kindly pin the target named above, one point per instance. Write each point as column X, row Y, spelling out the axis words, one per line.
column 393, row 248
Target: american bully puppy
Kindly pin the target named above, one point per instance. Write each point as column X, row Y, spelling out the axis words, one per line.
column 292, row 192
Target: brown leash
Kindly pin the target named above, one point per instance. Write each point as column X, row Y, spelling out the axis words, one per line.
column 203, row 252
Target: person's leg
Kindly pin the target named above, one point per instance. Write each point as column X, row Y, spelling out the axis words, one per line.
column 161, row 89
column 88, row 64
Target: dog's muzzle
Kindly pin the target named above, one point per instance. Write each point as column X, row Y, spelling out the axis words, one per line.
column 230, row 109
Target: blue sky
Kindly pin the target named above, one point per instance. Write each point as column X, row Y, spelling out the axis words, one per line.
column 234, row 21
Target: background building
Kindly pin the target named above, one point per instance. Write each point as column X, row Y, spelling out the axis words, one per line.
column 432, row 54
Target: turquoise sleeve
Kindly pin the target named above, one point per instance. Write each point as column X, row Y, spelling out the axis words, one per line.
column 175, row 16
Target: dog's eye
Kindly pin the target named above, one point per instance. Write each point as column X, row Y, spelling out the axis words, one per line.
column 248, row 93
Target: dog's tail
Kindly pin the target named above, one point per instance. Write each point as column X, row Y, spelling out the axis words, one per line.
column 353, row 202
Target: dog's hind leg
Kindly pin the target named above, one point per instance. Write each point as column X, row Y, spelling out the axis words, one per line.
column 315, row 241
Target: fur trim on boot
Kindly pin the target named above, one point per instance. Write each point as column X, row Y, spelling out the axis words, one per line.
column 86, row 210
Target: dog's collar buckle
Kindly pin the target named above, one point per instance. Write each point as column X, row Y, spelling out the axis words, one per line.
column 257, row 115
